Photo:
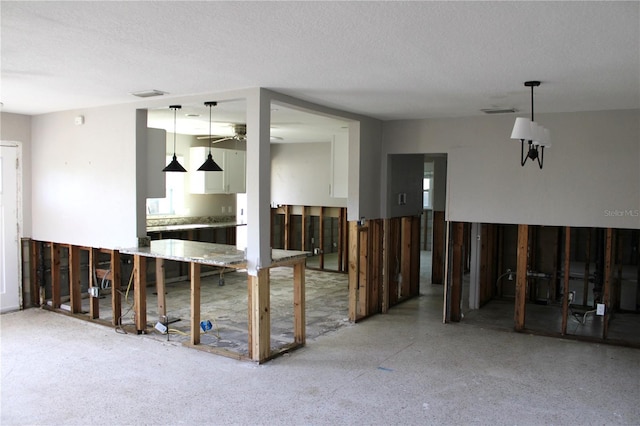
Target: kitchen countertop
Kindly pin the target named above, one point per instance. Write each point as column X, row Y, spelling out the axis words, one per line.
column 191, row 226
column 207, row 253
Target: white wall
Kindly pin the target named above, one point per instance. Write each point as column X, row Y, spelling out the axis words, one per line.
column 301, row 174
column 591, row 174
column 17, row 128
column 84, row 177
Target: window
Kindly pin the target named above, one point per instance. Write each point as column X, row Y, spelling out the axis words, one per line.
column 173, row 203
column 426, row 193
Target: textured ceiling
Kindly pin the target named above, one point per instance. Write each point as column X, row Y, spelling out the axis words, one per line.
column 390, row 60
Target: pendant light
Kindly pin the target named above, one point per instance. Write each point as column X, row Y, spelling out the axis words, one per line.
column 209, row 165
column 174, row 165
column 536, row 136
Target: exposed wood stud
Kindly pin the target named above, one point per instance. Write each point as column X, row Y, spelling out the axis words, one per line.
column 521, row 277
column 287, row 227
column 457, row 271
column 386, row 265
column 587, row 262
column 74, row 280
column 565, row 288
column 438, row 247
column 195, row 303
column 160, row 289
column 299, row 317
column 140, row 292
column 606, row 298
column 55, row 275
column 94, row 302
column 33, row 272
column 321, row 238
column 405, row 257
column 116, row 299
column 353, row 269
column 260, row 316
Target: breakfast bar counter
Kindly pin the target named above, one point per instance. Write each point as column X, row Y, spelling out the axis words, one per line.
column 225, row 256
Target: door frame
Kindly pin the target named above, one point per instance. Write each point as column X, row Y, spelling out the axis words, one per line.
column 19, row 218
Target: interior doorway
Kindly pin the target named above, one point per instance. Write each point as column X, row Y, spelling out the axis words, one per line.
column 10, row 283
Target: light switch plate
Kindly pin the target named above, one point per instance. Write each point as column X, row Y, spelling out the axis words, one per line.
column 600, row 309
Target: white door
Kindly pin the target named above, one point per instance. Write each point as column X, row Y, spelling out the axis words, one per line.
column 9, row 259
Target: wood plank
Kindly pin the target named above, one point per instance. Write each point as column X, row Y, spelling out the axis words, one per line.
column 260, row 316
column 161, row 290
column 374, row 266
column 303, row 231
column 587, row 263
column 116, row 297
column 405, row 257
column 521, row 277
column 299, row 318
column 353, row 270
column 606, row 298
column 386, row 266
column 437, row 250
column 34, row 282
column 55, row 275
column 74, row 280
column 195, row 303
column 457, row 271
column 363, row 270
column 565, row 287
column 94, row 302
column 394, row 253
column 321, row 238
column 140, row 292
column 414, row 288
column 287, row 227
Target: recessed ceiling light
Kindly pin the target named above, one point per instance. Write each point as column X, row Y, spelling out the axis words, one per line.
column 149, row 93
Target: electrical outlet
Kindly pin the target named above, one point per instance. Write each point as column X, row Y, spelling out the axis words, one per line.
column 94, row 291
column 161, row 327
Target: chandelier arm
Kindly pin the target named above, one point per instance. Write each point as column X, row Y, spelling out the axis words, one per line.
column 541, row 157
column 523, row 158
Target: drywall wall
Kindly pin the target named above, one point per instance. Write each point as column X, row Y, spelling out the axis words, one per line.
column 365, row 180
column 301, row 175
column 591, row 174
column 84, row 177
column 17, row 128
column 404, row 195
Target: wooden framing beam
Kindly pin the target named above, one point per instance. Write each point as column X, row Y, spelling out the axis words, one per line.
column 521, row 277
column 587, row 263
column 405, row 257
column 414, row 288
column 140, row 292
column 34, row 282
column 321, row 238
column 457, row 263
column 287, row 227
column 565, row 287
column 74, row 280
column 260, row 316
column 438, row 248
column 195, row 303
column 299, row 318
column 116, row 299
column 55, row 275
column 161, row 290
column 363, row 271
column 303, row 231
column 606, row 297
column 386, row 265
column 354, row 257
column 94, row 302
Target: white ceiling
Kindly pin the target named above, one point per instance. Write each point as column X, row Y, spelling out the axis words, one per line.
column 389, row 60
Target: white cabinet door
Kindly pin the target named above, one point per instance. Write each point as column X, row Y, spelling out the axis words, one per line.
column 231, row 180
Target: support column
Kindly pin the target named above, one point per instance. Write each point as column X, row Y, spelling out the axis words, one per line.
column 74, row 280
column 140, row 292
column 299, row 318
column 260, row 316
column 521, row 277
column 195, row 303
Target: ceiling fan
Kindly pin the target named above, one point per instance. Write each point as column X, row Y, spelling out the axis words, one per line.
column 239, row 134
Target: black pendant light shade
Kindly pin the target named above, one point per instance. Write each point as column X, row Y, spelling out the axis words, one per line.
column 209, row 165
column 174, row 165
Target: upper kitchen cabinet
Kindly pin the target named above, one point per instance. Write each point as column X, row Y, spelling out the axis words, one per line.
column 232, row 178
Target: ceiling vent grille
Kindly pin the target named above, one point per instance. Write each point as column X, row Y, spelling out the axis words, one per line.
column 149, row 93
column 499, row 110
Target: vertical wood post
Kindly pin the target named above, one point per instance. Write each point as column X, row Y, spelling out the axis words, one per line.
column 94, row 302
column 195, row 303
column 140, row 292
column 321, row 238
column 34, row 283
column 287, row 227
column 299, row 320
column 363, row 271
column 457, row 264
column 55, row 275
column 260, row 317
column 116, row 299
column 354, row 257
column 565, row 288
column 587, row 262
column 386, row 265
column 521, row 277
column 438, row 247
column 74, row 280
column 160, row 289
column 606, row 297
column 405, row 257
column 303, row 231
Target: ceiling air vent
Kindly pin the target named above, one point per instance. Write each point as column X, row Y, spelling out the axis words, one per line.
column 499, row 110
column 149, row 93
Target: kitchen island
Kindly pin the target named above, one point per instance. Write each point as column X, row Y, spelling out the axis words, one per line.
column 196, row 254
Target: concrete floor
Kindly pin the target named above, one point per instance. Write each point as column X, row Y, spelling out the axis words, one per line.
column 405, row 368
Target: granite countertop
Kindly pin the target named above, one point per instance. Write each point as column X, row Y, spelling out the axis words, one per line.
column 206, row 253
column 189, row 226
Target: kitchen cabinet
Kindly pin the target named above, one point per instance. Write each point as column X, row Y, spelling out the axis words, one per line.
column 232, row 178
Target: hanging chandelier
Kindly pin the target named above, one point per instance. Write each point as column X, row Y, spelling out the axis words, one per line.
column 536, row 136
